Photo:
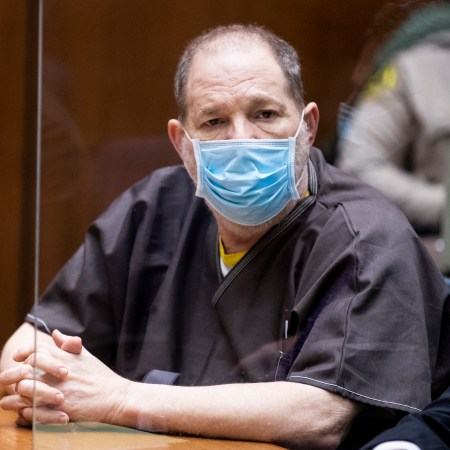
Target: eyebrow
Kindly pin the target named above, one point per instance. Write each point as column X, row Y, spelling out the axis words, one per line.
column 263, row 100
column 257, row 101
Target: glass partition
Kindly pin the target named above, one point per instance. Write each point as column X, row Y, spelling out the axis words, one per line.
column 101, row 128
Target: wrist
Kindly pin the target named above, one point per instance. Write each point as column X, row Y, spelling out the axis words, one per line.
column 135, row 411
column 118, row 410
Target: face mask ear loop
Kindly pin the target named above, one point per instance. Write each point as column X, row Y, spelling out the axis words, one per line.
column 300, row 178
column 295, row 137
column 187, row 135
column 299, row 127
column 198, row 162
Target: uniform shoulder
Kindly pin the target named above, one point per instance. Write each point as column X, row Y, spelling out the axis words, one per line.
column 168, row 188
column 367, row 211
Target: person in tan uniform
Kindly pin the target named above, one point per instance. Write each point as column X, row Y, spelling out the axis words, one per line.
column 398, row 133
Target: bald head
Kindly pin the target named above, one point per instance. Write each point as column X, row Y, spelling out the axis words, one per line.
column 239, row 36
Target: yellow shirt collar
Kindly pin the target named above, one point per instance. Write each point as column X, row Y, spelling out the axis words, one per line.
column 230, row 259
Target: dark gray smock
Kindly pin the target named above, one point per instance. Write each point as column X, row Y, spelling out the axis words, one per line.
column 341, row 295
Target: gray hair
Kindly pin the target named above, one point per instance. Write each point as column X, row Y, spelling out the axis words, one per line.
column 284, row 53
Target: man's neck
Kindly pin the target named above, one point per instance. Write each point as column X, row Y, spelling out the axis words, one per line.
column 234, row 242
column 238, row 238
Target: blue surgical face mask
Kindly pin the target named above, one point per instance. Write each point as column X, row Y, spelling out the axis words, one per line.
column 247, row 181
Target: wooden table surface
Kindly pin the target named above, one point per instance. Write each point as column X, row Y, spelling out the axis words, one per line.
column 105, row 437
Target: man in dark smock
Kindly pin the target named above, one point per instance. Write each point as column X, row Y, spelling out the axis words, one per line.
column 329, row 316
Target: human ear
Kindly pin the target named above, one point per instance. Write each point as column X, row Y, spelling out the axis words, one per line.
column 176, row 134
column 311, row 117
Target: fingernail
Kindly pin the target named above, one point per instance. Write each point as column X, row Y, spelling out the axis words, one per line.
column 59, row 397
column 62, row 371
column 63, row 419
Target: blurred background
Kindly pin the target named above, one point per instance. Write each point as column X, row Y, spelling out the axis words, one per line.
column 107, row 77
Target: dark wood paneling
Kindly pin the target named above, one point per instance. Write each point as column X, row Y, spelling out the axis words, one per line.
column 119, row 56
column 12, row 94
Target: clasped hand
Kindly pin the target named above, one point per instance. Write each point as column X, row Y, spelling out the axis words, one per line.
column 65, row 380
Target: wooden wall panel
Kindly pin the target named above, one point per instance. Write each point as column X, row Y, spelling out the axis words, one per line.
column 12, row 95
column 120, row 56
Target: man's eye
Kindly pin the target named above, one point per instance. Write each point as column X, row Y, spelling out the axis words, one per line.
column 212, row 122
column 267, row 114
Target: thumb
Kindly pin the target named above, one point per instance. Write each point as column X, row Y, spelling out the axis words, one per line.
column 70, row 344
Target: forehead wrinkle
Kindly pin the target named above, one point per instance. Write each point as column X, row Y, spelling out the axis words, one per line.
column 208, row 94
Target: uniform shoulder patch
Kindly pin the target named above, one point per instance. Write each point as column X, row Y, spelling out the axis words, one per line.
column 382, row 82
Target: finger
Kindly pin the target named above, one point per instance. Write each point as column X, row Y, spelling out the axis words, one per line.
column 41, row 392
column 15, row 402
column 47, row 363
column 22, row 353
column 45, row 415
column 71, row 344
column 22, row 422
column 16, row 374
column 26, row 350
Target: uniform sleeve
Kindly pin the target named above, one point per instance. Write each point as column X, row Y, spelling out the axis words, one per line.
column 373, row 309
column 86, row 297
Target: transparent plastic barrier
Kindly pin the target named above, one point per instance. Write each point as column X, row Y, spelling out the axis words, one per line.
column 98, row 133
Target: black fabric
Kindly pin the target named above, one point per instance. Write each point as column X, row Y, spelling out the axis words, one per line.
column 429, row 430
column 341, row 295
column 156, row 376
